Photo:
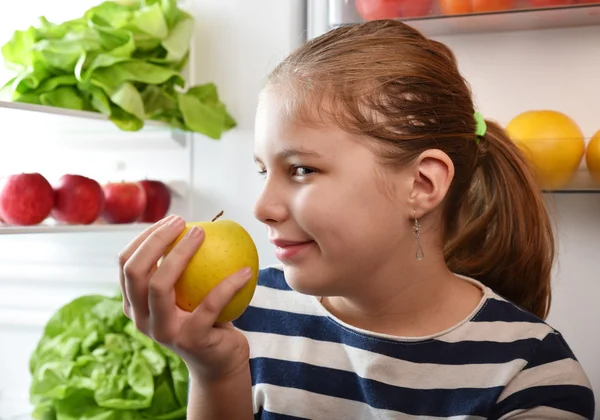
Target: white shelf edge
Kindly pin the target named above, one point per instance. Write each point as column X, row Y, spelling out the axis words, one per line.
column 581, row 183
column 155, row 134
column 22, row 106
column 48, row 227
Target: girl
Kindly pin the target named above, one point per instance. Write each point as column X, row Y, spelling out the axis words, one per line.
column 416, row 254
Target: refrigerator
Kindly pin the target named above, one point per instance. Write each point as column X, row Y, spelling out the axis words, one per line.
column 515, row 61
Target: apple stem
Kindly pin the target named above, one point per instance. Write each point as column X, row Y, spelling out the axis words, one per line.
column 217, row 216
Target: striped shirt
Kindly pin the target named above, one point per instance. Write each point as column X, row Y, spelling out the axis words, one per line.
column 500, row 363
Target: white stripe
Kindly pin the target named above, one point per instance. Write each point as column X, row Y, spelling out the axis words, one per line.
column 542, row 413
column 497, row 331
column 386, row 369
column 492, row 295
column 285, row 300
column 561, row 372
column 300, row 403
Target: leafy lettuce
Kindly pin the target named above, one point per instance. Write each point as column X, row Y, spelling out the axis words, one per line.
column 93, row 364
column 122, row 59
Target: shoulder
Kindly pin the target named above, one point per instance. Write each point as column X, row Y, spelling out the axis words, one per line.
column 551, row 383
column 497, row 308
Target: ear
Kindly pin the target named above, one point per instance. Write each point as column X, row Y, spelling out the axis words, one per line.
column 433, row 173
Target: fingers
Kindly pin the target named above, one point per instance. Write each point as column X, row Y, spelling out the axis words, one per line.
column 207, row 312
column 138, row 269
column 161, row 292
column 126, row 254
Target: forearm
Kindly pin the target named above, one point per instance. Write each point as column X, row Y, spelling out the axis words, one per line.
column 230, row 398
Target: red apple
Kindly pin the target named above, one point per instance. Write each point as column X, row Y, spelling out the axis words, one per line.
column 124, row 202
column 77, row 200
column 25, row 199
column 158, row 200
column 392, row 9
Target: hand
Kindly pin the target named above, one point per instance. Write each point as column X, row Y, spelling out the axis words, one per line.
column 209, row 350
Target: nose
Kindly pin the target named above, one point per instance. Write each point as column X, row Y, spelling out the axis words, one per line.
column 271, row 206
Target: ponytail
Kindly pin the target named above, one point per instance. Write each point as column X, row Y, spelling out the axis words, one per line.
column 500, row 232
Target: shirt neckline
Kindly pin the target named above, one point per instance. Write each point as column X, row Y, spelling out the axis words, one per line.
column 486, row 295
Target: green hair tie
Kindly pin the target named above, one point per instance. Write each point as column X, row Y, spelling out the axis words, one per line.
column 481, row 127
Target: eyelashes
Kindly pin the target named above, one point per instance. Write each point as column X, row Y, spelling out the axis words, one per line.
column 303, row 171
column 295, row 171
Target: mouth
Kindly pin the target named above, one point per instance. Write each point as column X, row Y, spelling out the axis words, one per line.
column 286, row 250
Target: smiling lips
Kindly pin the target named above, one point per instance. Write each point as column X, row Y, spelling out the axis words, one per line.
column 288, row 250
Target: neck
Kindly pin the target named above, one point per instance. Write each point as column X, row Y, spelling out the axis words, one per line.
column 417, row 298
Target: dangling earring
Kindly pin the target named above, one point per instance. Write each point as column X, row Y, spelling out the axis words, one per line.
column 417, row 231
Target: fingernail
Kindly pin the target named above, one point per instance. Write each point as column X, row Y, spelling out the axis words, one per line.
column 168, row 218
column 194, row 232
column 163, row 221
column 176, row 221
column 246, row 272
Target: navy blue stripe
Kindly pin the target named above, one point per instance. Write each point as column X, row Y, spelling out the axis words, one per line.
column 570, row 398
column 431, row 351
column 273, row 278
column 552, row 348
column 348, row 385
column 499, row 310
column 267, row 415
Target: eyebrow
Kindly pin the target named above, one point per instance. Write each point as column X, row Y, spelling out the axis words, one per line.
column 289, row 153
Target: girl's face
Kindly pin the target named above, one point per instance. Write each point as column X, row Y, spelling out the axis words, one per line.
column 335, row 216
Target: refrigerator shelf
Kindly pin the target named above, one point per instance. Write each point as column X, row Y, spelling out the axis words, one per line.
column 50, row 227
column 343, row 12
column 581, row 183
column 83, row 129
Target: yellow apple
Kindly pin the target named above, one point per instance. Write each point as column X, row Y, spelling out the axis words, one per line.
column 226, row 249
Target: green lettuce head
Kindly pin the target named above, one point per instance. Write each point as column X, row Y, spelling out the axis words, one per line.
column 93, row 364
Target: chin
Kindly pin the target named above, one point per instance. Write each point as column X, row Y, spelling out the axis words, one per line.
column 307, row 282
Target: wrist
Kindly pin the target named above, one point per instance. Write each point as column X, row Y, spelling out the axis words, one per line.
column 211, row 396
column 234, row 375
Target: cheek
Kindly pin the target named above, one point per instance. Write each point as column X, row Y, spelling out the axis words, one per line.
column 313, row 208
column 354, row 216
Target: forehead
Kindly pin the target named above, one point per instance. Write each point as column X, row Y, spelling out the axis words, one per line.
column 278, row 128
column 272, row 115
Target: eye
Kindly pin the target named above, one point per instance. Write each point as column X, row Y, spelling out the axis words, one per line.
column 302, row 171
column 262, row 172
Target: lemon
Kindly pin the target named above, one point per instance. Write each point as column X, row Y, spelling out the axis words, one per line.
column 592, row 156
column 553, row 143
